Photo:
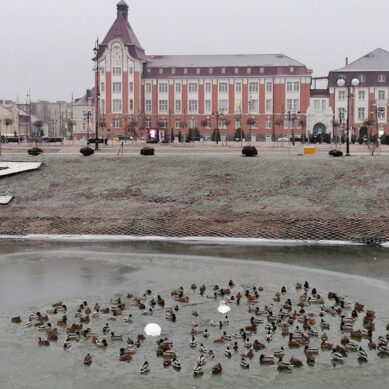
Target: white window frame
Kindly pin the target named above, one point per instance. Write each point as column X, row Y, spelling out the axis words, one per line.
column 116, row 87
column 222, row 105
column 148, row 106
column 163, row 105
column 253, row 105
column 316, row 105
column 147, row 123
column 192, row 87
column 289, row 86
column 116, row 123
column 163, row 87
column 296, row 86
column 177, row 105
column 131, row 105
column 381, row 113
column 361, row 113
column 178, row 87
column 268, row 124
column 381, row 94
column 193, row 106
column 223, row 87
column 269, row 86
column 131, row 86
column 341, row 95
column 253, row 87
column 148, row 88
column 116, row 71
column 116, row 105
column 238, row 87
column 381, row 77
column 208, row 87
column 208, row 106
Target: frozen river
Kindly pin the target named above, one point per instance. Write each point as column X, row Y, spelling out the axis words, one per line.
column 33, row 275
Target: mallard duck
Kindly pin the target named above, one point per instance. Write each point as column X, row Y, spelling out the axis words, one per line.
column 205, row 333
column 336, row 356
column 228, row 351
column 312, row 350
column 16, row 319
column 326, row 346
column 244, row 363
column 176, row 364
column 350, row 346
column 267, row 360
column 269, row 336
column 42, row 342
column 248, row 343
column 279, row 353
column 217, row 369
column 324, row 325
column 249, row 354
column 106, row 328
column 198, row 371
column 281, row 365
column 310, row 359
column 193, row 343
column 116, row 337
column 362, row 355
column 145, row 368
column 88, row 360
column 102, row 343
column 44, row 327
column 382, row 349
column 295, row 362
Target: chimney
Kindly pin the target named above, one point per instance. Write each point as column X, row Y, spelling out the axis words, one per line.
column 346, row 61
column 122, row 9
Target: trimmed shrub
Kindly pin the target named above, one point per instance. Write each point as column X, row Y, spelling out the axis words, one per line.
column 335, row 153
column 86, row 151
column 249, row 151
column 385, row 139
column 35, row 151
column 147, row 151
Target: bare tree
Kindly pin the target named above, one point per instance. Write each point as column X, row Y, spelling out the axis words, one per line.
column 38, row 124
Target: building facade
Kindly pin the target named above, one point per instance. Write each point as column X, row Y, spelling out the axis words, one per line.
column 83, row 119
column 255, row 93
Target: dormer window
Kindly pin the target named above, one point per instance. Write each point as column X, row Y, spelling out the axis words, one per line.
column 210, row 70
column 198, row 71
column 382, row 77
column 185, row 70
column 248, row 70
column 160, row 71
column 291, row 69
column 173, row 71
column 362, row 77
column 148, row 71
column 236, row 70
column 223, row 70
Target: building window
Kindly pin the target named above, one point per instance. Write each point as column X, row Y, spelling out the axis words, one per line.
column 316, row 104
column 178, row 105
column 269, row 86
column 382, row 77
column 381, row 113
column 163, row 87
column 178, row 87
column 236, row 70
column 223, row 87
column 131, row 87
column 296, row 86
column 117, row 123
column 162, row 105
column 160, row 71
column 116, row 87
column 222, row 105
column 147, row 123
column 192, row 123
column 342, row 114
column 268, row 124
column 237, row 124
column 102, row 87
column 197, row 70
column 173, row 71
column 210, row 70
column 362, row 78
column 296, row 105
column 361, row 113
column 253, row 87
column 131, row 69
column 291, row 69
column 361, row 95
column 289, row 86
column 207, row 124
column 102, row 106
column 185, row 70
column 208, row 87
column 268, row 105
column 193, row 106
column 131, row 105
column 223, row 70
column 148, row 71
column 178, row 123
column 148, row 88
column 261, row 70
column 323, row 105
column 117, row 71
column 221, row 124
column 253, row 105
column 293, row 105
column 102, row 70
column 116, row 106
column 162, row 123
column 248, row 70
column 381, row 94
column 238, row 87
column 342, row 95
column 207, row 106
column 148, row 105
column 192, row 87
column 84, row 126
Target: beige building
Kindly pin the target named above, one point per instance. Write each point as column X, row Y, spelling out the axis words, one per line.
column 84, row 116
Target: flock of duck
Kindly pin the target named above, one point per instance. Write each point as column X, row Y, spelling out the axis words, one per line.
column 298, row 319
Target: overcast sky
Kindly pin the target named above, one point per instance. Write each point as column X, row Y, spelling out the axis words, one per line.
column 46, row 45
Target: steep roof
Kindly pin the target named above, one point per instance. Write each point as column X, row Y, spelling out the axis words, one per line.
column 121, row 28
column 221, row 60
column 378, row 59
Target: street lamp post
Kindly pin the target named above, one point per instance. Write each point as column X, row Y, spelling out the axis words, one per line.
column 341, row 82
column 87, row 116
column 97, row 87
column 217, row 115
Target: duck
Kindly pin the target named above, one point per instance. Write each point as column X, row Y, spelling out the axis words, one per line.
column 16, row 320
column 257, row 345
column 125, row 356
column 128, row 319
column 106, row 328
column 362, row 355
column 280, row 352
column 310, row 359
column 228, row 351
column 145, row 368
column 88, row 360
column 176, row 364
column 102, row 343
column 116, row 337
column 312, row 332
column 244, row 363
column 267, row 360
column 324, row 337
column 312, row 350
column 44, row 327
column 211, row 354
column 193, row 342
column 249, row 354
column 336, row 356
column 281, row 365
column 43, row 342
column 198, row 371
column 298, row 286
column 217, row 369
column 324, row 325
column 248, row 343
column 350, row 346
column 269, row 336
column 225, row 336
column 205, row 333
column 326, row 346
column 383, row 349
column 295, row 362
column 201, row 360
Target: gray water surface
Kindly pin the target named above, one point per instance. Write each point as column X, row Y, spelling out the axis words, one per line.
column 33, row 275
